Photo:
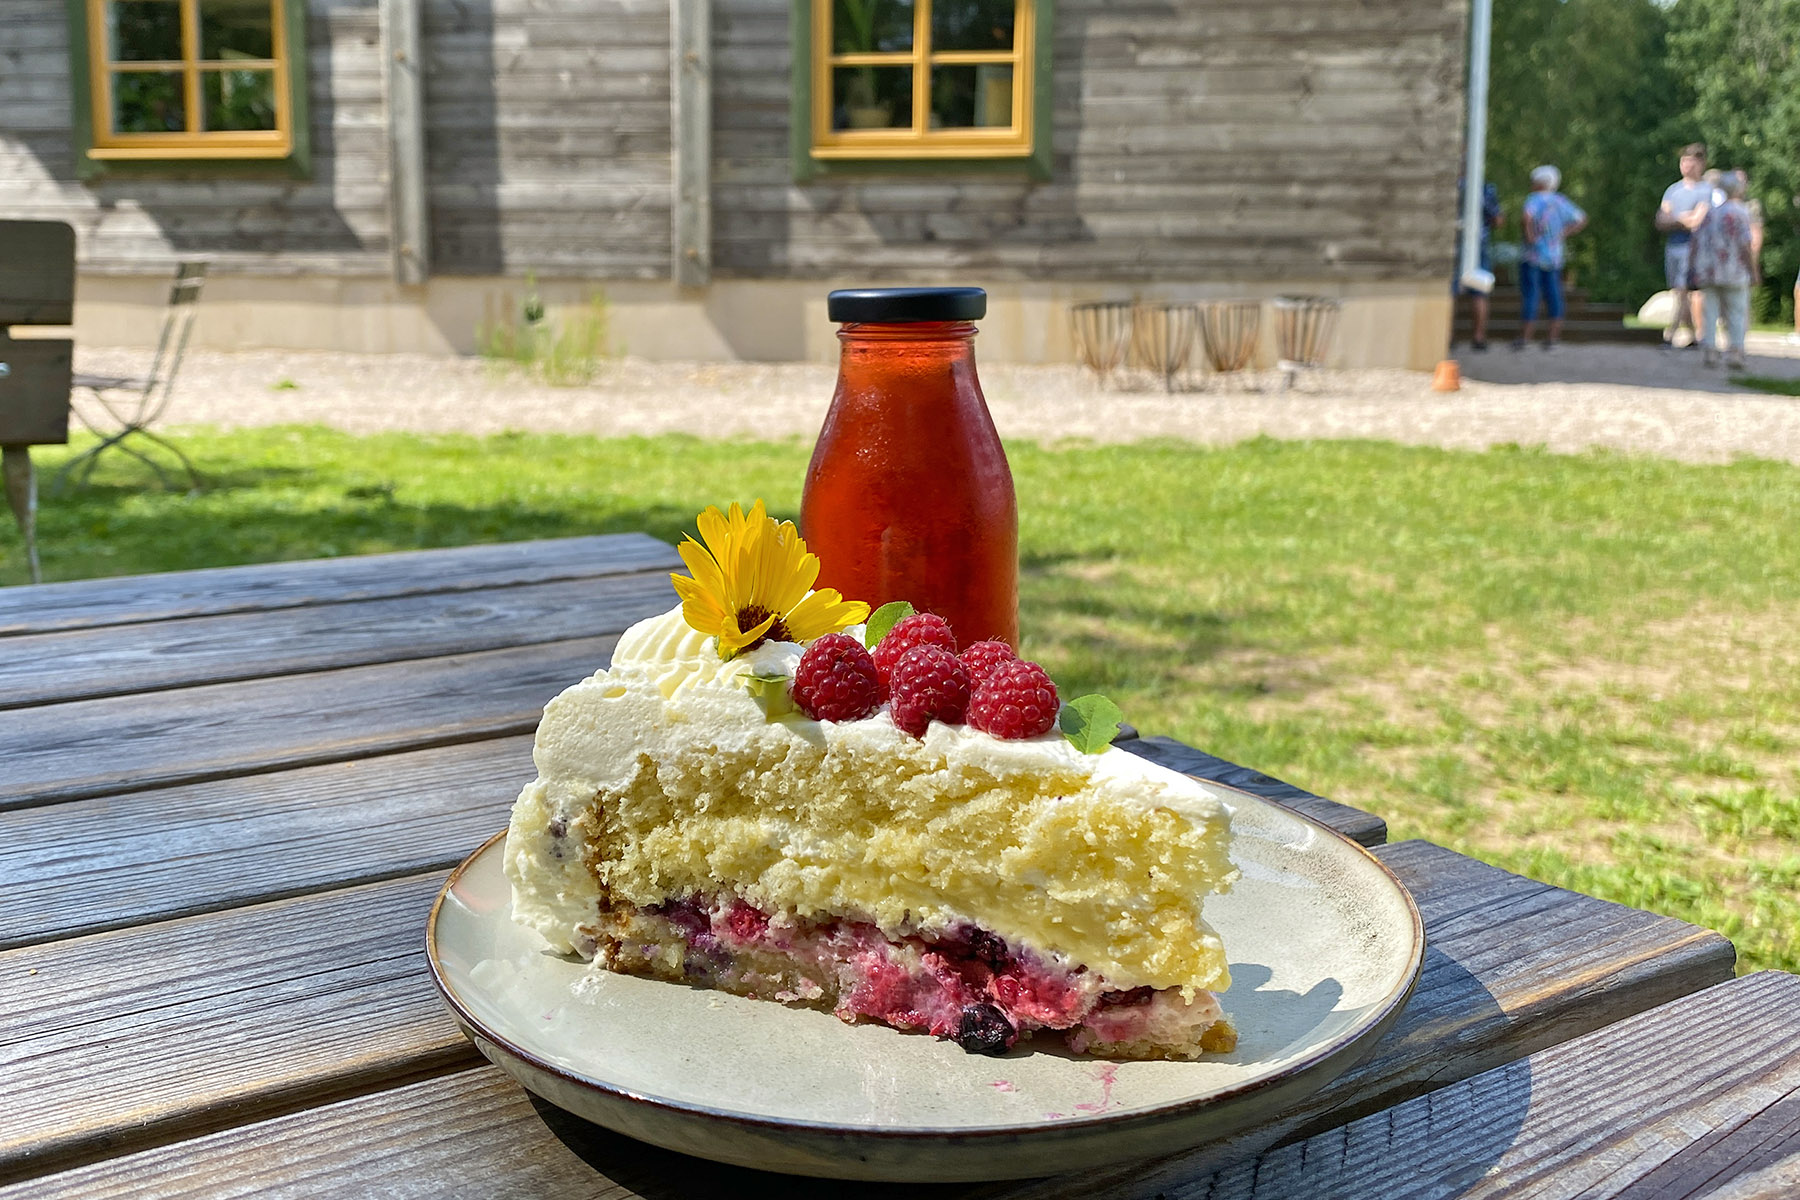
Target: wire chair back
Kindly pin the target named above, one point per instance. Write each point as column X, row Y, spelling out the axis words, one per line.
column 171, row 345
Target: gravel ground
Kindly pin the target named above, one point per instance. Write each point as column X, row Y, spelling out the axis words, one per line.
column 1631, row 398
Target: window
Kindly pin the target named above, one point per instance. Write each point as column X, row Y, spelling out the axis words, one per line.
column 924, row 79
column 189, row 79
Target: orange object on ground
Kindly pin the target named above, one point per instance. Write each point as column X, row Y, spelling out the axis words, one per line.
column 1447, row 377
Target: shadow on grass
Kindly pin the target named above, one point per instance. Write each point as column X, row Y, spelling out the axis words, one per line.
column 1106, row 632
column 241, row 517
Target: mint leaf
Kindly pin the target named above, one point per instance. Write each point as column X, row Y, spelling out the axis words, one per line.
column 1090, row 722
column 770, row 693
column 884, row 619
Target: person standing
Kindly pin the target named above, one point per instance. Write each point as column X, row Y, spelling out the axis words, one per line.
column 1684, row 205
column 1550, row 217
column 1724, row 266
column 1491, row 215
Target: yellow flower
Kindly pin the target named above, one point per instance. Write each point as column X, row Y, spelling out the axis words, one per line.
column 752, row 580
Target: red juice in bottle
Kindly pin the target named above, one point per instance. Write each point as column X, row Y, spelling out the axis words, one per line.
column 908, row 496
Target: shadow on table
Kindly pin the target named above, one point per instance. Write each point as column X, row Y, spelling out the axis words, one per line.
column 1352, row 1140
column 1446, row 1034
column 658, row 1174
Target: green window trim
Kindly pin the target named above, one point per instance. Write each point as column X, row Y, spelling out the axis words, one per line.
column 807, row 168
column 295, row 164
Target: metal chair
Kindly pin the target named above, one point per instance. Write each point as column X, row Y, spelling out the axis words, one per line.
column 1162, row 338
column 1101, row 330
column 134, row 404
column 1304, row 326
column 1230, row 329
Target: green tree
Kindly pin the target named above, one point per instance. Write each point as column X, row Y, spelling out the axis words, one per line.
column 1586, row 85
column 1740, row 59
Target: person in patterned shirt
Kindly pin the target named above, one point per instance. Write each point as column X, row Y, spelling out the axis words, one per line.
column 1550, row 217
column 1724, row 267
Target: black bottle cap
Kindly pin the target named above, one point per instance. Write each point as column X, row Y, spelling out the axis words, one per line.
column 893, row 305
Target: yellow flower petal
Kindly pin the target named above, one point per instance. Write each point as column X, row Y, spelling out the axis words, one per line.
column 797, row 573
column 825, row 611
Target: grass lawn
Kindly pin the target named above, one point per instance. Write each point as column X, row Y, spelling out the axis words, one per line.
column 1768, row 383
column 1579, row 668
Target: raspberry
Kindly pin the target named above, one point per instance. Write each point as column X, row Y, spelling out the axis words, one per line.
column 1016, row 700
column 920, row 629
column 928, row 684
column 980, row 660
column 836, row 680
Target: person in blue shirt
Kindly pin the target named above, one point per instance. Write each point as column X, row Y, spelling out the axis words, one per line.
column 1684, row 206
column 1550, row 217
column 1491, row 215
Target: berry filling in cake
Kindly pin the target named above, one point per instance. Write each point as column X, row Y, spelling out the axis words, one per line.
column 965, row 985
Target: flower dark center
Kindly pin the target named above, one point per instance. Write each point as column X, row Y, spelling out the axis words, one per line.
column 754, row 615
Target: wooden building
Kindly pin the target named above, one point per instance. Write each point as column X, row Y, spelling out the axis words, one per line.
column 386, row 174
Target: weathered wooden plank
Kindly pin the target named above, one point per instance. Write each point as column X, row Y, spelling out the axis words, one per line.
column 118, row 660
column 1482, row 1002
column 408, row 214
column 690, row 126
column 1675, row 1102
column 433, row 1138
column 1353, row 823
column 263, row 586
column 63, row 752
column 117, row 861
column 133, row 1037
column 1512, row 967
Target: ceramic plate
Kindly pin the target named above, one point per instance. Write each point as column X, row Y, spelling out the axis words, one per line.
column 1325, row 947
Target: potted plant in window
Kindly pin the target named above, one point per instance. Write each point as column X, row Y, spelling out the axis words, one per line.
column 863, row 108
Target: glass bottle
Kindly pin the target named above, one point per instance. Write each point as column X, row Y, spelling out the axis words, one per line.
column 908, row 496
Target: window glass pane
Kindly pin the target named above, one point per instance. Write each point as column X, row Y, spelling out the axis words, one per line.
column 868, row 26
column 237, row 99
column 237, row 29
column 143, row 31
column 871, row 98
column 972, row 24
column 973, row 96
column 148, row 102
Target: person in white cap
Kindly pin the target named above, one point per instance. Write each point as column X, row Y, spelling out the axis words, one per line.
column 1550, row 217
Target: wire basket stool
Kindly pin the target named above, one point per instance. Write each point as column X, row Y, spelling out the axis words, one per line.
column 1304, row 327
column 1162, row 338
column 1102, row 330
column 1230, row 329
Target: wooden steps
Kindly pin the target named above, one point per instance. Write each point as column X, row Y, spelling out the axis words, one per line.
column 1584, row 320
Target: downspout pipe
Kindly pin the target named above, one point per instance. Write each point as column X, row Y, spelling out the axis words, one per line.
column 1481, row 30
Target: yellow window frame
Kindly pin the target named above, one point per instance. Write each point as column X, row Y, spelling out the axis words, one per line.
column 922, row 141
column 194, row 142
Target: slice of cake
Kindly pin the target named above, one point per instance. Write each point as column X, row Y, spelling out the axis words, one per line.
column 692, row 822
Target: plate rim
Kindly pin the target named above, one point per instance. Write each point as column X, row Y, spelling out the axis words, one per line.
column 1371, row 1028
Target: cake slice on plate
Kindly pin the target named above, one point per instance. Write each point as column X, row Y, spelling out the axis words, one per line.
column 902, row 836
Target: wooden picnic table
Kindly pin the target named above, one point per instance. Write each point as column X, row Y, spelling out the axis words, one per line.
column 228, row 797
